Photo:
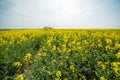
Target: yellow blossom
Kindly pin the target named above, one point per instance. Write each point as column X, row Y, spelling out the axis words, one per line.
column 99, row 45
column 117, row 70
column 104, row 55
column 102, row 78
column 64, row 45
column 108, row 41
column 65, row 78
column 54, row 61
column 20, row 77
column 27, row 57
column 101, row 64
column 57, row 78
column 44, row 54
column 72, row 68
column 58, row 74
column 39, row 55
column 49, row 42
column 66, row 57
column 107, row 47
column 117, row 55
column 117, row 45
column 54, row 47
column 69, row 50
column 85, row 42
column 17, row 64
column 49, row 73
column 25, row 70
column 115, row 67
column 79, row 48
column 115, row 64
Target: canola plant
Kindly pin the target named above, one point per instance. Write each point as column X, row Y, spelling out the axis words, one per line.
column 60, row 54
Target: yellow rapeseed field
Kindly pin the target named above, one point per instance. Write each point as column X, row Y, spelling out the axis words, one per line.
column 60, row 54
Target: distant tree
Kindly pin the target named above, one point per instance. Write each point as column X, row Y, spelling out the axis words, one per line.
column 47, row 27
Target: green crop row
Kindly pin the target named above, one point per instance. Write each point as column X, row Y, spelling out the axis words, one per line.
column 60, row 55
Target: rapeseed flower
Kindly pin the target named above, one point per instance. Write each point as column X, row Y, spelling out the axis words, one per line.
column 58, row 74
column 44, row 54
column 65, row 78
column 54, row 48
column 85, row 42
column 72, row 68
column 39, row 55
column 104, row 55
column 107, row 47
column 49, row 42
column 49, row 73
column 115, row 64
column 54, row 61
column 101, row 64
column 108, row 41
column 20, row 77
column 102, row 78
column 117, row 71
column 57, row 78
column 117, row 55
column 115, row 67
column 27, row 57
column 17, row 64
column 64, row 45
column 117, row 45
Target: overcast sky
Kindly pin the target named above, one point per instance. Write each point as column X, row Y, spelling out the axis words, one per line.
column 60, row 13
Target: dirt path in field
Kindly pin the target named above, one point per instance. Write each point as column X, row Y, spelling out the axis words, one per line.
column 27, row 71
column 30, row 67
